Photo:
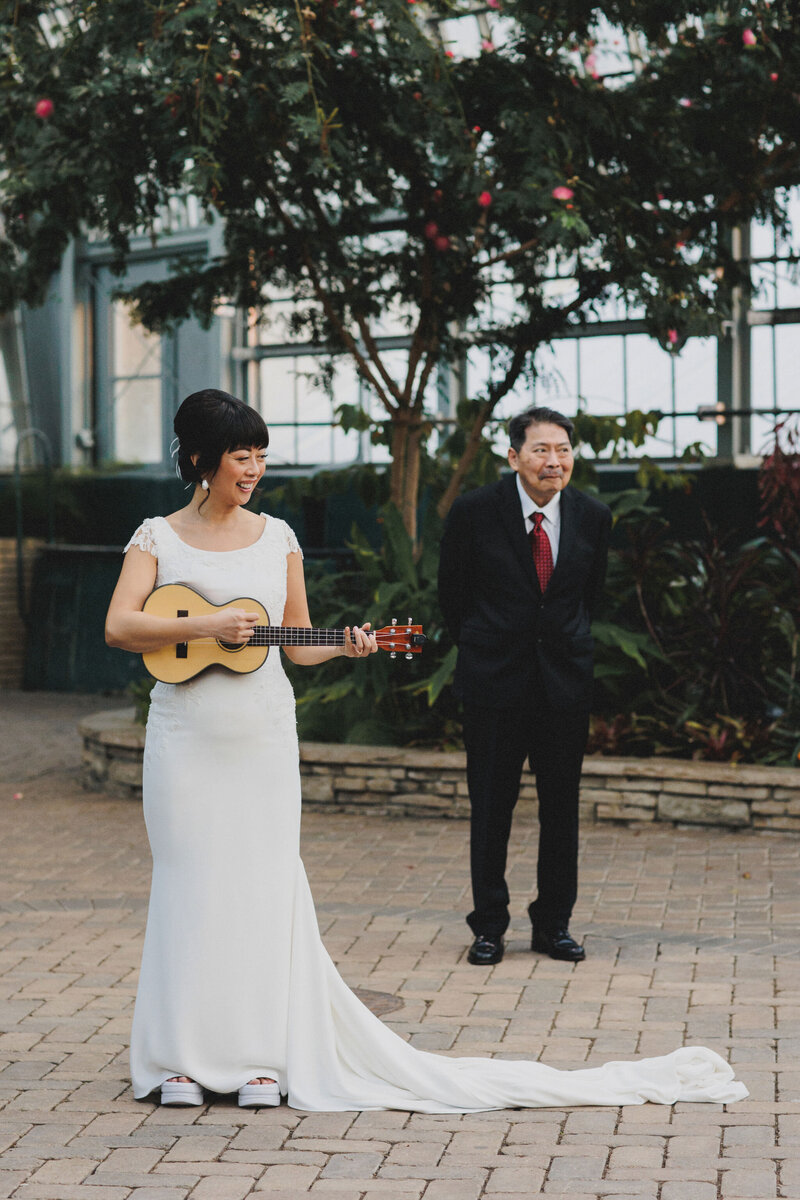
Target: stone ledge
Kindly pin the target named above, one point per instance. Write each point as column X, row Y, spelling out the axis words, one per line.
column 391, row 780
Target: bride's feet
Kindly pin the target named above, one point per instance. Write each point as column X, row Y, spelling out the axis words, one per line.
column 180, row 1089
column 261, row 1092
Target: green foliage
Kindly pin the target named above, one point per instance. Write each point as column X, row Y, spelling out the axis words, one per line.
column 139, row 691
column 709, row 634
column 382, row 701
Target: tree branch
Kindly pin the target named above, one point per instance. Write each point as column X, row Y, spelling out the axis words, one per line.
column 324, row 299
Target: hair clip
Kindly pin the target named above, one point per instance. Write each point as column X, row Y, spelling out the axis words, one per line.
column 173, row 453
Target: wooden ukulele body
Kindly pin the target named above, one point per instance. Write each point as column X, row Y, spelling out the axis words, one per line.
column 176, row 664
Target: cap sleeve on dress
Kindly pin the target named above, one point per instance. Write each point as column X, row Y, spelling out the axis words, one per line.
column 144, row 538
column 292, row 544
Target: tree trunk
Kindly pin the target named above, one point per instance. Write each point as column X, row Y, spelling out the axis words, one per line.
column 404, row 478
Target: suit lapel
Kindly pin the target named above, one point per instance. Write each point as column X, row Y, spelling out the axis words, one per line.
column 569, row 528
column 511, row 513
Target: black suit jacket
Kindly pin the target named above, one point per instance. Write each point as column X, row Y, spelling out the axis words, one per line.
column 513, row 642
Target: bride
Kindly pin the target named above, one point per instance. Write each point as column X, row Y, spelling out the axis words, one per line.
column 236, row 991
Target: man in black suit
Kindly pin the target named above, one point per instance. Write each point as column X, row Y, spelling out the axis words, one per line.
column 517, row 590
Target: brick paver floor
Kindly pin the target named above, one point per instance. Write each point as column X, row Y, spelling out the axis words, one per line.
column 692, row 936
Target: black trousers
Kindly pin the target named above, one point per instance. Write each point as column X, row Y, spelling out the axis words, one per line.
column 497, row 742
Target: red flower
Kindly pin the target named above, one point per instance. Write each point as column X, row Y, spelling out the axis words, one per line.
column 219, row 77
column 354, row 53
column 43, row 109
column 672, row 336
column 485, row 199
column 442, row 242
column 774, row 76
column 562, row 193
column 431, row 230
column 417, row 95
column 749, row 38
column 437, row 195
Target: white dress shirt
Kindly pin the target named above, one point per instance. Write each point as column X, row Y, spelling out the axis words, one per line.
column 551, row 514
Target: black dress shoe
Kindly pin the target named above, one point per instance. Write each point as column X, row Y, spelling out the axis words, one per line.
column 485, row 950
column 558, row 943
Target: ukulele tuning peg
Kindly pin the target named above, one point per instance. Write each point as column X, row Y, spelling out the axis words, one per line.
column 393, row 654
column 394, row 620
column 409, row 655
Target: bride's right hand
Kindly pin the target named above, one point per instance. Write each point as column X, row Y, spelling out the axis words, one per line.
column 232, row 625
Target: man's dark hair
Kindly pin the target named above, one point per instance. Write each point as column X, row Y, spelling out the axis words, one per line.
column 518, row 426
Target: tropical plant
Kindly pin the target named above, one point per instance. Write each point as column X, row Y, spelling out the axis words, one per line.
column 389, row 702
column 709, row 630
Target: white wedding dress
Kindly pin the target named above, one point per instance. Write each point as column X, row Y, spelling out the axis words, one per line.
column 235, row 981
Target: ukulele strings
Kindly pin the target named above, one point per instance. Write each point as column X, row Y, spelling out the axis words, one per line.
column 286, row 635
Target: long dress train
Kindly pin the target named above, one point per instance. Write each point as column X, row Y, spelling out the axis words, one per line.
column 235, row 981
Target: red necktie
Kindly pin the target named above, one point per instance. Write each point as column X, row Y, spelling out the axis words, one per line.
column 542, row 552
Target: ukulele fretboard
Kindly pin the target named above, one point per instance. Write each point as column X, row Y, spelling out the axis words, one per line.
column 288, row 635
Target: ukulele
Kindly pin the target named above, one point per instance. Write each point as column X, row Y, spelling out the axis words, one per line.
column 176, row 664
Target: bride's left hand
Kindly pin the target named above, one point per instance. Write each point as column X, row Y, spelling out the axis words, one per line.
column 359, row 642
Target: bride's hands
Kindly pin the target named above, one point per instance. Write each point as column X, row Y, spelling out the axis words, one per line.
column 233, row 625
column 358, row 642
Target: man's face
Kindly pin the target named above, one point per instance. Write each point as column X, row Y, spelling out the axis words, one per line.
column 544, row 462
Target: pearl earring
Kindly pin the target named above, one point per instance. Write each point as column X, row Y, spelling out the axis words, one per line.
column 204, row 485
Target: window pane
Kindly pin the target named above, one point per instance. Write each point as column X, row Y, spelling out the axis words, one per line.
column 602, row 382
column 136, row 352
column 696, row 374
column 649, row 375
column 787, row 365
column 281, row 446
column 137, row 420
column 557, row 378
column 763, row 381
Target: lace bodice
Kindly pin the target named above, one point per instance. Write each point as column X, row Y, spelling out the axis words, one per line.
column 215, row 573
column 220, row 696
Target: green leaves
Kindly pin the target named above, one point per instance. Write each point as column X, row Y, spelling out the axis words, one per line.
column 638, row 646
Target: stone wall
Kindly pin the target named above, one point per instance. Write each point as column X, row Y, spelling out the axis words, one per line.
column 696, row 793
column 429, row 783
column 12, row 628
column 113, row 744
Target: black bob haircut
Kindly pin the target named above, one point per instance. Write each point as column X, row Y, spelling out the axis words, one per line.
column 518, row 426
column 209, row 423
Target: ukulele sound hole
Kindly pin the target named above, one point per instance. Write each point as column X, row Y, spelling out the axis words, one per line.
column 233, row 646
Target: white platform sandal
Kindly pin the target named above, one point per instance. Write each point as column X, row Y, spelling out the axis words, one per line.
column 175, row 1092
column 259, row 1095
